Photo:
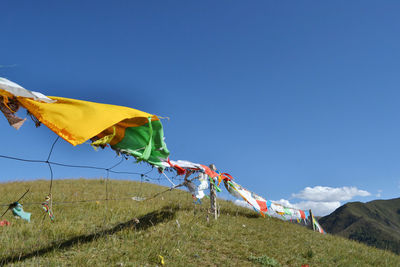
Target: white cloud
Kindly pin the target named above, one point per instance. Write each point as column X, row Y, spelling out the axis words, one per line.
column 317, row 207
column 8, row 66
column 285, row 203
column 379, row 194
column 330, row 194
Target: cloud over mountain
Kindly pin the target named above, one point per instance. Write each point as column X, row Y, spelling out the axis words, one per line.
column 322, row 200
column 318, row 208
column 330, row 194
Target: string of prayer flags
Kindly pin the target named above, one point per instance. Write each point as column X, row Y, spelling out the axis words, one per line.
column 256, row 201
column 267, row 207
column 205, row 175
column 259, row 204
column 127, row 131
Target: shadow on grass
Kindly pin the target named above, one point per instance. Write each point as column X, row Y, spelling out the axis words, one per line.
column 146, row 221
column 247, row 214
column 251, row 214
column 242, row 213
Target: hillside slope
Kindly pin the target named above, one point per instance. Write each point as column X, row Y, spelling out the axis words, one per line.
column 376, row 223
column 126, row 232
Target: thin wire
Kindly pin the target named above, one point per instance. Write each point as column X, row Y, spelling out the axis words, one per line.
column 107, row 181
column 169, row 179
column 177, row 178
column 52, row 147
column 79, row 166
column 105, row 214
column 134, row 173
column 141, row 184
column 108, row 174
column 21, row 159
column 110, row 199
column 9, row 205
column 51, row 177
column 149, row 171
column 108, row 170
column 122, row 159
column 172, row 188
column 51, row 172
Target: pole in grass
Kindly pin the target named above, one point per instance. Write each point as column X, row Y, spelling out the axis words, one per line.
column 213, row 196
column 312, row 221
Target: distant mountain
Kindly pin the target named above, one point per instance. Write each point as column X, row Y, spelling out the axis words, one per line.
column 375, row 223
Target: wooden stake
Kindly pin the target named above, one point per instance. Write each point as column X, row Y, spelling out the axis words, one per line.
column 213, row 196
column 312, row 222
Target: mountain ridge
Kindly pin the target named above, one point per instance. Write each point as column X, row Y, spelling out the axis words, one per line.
column 375, row 223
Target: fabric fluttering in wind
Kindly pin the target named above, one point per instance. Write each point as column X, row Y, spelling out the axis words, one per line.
column 134, row 132
column 9, row 106
column 259, row 204
column 317, row 226
column 256, row 201
column 202, row 186
column 11, row 89
column 270, row 208
column 189, row 166
column 183, row 164
column 277, row 208
column 18, row 211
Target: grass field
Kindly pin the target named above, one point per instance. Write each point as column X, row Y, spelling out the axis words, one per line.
column 132, row 233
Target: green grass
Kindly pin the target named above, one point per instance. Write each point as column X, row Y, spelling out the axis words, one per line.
column 131, row 233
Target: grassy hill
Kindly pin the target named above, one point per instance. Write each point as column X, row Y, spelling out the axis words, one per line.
column 133, row 233
column 376, row 223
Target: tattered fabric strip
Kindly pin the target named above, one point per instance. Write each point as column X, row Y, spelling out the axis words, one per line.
column 267, row 207
column 129, row 131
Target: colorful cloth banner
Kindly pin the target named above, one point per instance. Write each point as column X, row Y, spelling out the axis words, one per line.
column 187, row 165
column 18, row 211
column 203, row 186
column 317, row 226
column 135, row 132
column 257, row 202
column 263, row 206
column 11, row 89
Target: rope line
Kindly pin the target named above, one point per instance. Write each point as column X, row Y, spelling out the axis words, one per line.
column 115, row 165
column 81, row 166
column 20, row 159
column 102, row 199
column 49, row 163
column 108, row 170
column 52, row 147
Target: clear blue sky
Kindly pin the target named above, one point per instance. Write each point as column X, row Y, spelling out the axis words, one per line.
column 282, row 96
